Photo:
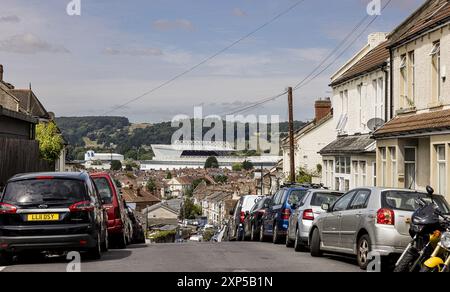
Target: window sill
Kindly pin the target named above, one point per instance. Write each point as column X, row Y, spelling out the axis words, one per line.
column 404, row 111
column 435, row 105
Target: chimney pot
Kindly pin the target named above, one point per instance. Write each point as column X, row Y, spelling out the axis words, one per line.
column 323, row 108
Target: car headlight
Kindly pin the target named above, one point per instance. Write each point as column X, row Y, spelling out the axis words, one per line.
column 445, row 240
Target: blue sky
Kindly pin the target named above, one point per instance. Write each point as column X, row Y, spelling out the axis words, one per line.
column 117, row 50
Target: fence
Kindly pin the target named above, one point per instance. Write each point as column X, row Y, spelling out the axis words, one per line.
column 20, row 156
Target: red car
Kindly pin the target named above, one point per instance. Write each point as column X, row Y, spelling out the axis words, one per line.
column 117, row 220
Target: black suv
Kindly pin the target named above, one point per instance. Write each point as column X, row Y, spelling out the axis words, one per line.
column 51, row 212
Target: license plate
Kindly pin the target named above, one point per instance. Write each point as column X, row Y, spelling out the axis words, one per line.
column 43, row 217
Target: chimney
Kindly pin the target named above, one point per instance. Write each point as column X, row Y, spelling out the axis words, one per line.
column 376, row 38
column 1, row 73
column 323, row 108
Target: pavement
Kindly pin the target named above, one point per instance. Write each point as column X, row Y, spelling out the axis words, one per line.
column 197, row 257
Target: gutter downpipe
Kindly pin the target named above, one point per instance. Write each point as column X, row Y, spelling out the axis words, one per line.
column 391, row 87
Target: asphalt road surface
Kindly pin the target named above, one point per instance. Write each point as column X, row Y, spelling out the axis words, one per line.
column 196, row 257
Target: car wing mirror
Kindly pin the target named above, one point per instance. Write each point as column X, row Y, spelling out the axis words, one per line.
column 326, row 207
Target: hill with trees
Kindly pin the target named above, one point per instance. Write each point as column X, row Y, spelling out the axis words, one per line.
column 132, row 140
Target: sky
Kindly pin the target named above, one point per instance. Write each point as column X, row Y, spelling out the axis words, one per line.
column 116, row 51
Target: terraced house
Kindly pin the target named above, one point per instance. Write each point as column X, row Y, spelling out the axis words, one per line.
column 413, row 149
column 359, row 102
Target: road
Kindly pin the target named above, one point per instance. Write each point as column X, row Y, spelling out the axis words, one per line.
column 198, row 257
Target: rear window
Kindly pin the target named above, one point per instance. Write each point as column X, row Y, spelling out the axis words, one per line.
column 406, row 201
column 46, row 191
column 318, row 199
column 296, row 196
column 104, row 189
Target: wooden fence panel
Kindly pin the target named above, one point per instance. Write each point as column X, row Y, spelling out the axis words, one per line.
column 20, row 156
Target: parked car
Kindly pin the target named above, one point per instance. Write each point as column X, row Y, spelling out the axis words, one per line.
column 275, row 221
column 236, row 223
column 138, row 230
column 52, row 212
column 305, row 212
column 118, row 225
column 253, row 219
column 368, row 219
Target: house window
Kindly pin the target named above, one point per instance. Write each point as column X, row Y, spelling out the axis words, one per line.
column 344, row 116
column 355, row 174
column 374, row 167
column 383, row 166
column 410, row 167
column 436, row 71
column 379, row 98
column 331, row 164
column 441, row 169
column 363, row 169
column 393, row 153
column 360, row 100
column 404, row 80
column 337, row 184
column 411, row 78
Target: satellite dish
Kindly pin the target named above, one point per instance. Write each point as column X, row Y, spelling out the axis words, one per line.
column 375, row 124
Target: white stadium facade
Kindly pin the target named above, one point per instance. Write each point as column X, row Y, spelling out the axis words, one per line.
column 181, row 155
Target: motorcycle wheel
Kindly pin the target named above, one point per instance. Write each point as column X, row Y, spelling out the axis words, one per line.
column 426, row 269
column 405, row 265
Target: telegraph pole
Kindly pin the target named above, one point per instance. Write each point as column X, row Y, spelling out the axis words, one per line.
column 291, row 135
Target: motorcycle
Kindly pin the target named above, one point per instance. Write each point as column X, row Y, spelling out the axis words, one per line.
column 426, row 229
column 440, row 258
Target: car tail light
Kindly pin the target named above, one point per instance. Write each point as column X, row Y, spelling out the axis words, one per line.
column 385, row 217
column 308, row 214
column 242, row 217
column 85, row 206
column 7, row 209
column 286, row 214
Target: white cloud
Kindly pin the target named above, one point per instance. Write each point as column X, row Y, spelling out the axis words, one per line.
column 239, row 12
column 9, row 19
column 29, row 44
column 134, row 52
column 179, row 24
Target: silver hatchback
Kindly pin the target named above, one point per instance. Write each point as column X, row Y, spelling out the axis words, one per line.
column 305, row 212
column 365, row 220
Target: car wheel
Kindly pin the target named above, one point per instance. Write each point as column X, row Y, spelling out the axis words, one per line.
column 6, row 259
column 262, row 237
column 122, row 241
column 289, row 242
column 298, row 244
column 253, row 235
column 95, row 253
column 239, row 235
column 276, row 236
column 315, row 244
column 105, row 244
column 364, row 248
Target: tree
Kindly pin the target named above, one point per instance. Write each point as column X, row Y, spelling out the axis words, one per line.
column 50, row 141
column 169, row 175
column 190, row 210
column 116, row 165
column 221, row 179
column 211, row 162
column 237, row 167
column 247, row 165
column 304, row 176
column 151, row 185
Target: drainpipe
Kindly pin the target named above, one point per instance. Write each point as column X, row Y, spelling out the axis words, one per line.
column 386, row 94
column 391, row 88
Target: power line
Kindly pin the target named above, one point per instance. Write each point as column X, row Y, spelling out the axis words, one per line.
column 344, row 51
column 178, row 76
column 305, row 81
